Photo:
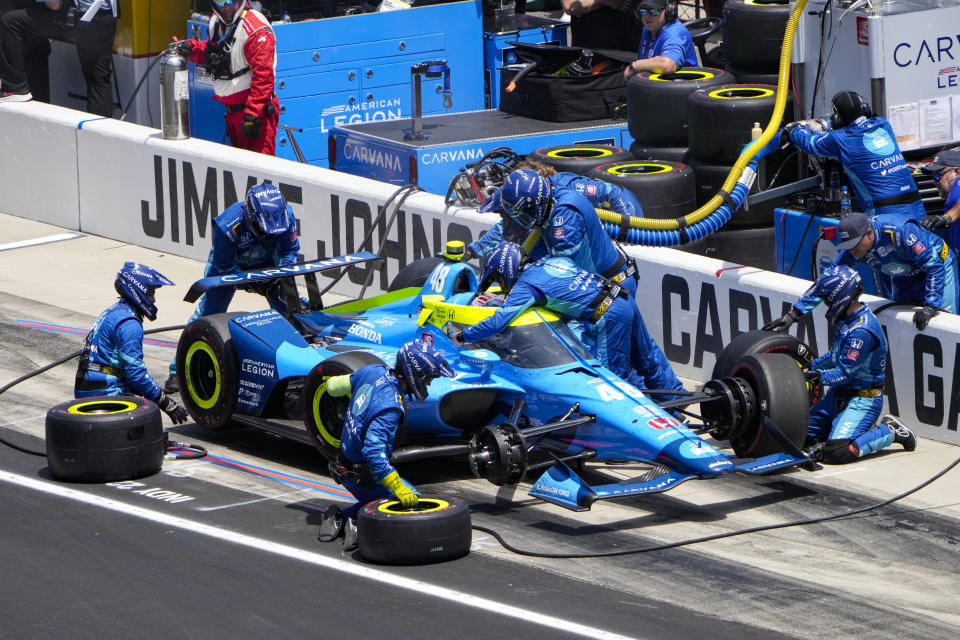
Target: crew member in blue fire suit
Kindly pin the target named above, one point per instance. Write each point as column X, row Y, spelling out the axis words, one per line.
column 568, row 225
column 843, row 425
column 111, row 362
column 944, row 168
column 914, row 264
column 866, row 147
column 258, row 233
column 601, row 194
column 374, row 416
column 615, row 331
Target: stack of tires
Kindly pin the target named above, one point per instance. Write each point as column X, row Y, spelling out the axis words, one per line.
column 721, row 123
column 752, row 37
column 579, row 158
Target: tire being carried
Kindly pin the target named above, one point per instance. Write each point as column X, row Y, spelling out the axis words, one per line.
column 437, row 529
column 322, row 414
column 665, row 189
column 579, row 159
column 207, row 369
column 104, row 438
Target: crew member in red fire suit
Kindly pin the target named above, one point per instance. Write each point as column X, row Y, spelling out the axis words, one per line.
column 241, row 55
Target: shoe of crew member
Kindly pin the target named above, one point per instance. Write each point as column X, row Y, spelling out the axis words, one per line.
column 16, row 96
column 172, row 385
column 349, row 534
column 331, row 524
column 901, row 433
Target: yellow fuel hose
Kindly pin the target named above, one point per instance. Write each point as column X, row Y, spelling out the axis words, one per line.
column 773, row 126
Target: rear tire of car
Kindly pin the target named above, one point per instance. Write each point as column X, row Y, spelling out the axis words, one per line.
column 323, row 414
column 415, row 274
column 579, row 158
column 437, row 529
column 104, row 439
column 207, row 369
column 776, row 380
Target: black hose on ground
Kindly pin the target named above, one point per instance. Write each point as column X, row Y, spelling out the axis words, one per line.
column 193, row 450
column 718, row 536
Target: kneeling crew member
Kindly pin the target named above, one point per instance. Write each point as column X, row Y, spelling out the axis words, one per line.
column 374, row 416
column 843, row 425
column 111, row 363
column 615, row 331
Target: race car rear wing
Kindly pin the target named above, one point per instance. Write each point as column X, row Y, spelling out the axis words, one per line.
column 285, row 276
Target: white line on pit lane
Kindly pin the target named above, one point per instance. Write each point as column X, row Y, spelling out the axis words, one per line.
column 35, row 241
column 7, row 424
column 486, row 605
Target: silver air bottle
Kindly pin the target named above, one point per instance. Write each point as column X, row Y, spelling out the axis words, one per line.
column 174, row 96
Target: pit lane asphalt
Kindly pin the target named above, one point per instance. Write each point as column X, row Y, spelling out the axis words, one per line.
column 70, row 565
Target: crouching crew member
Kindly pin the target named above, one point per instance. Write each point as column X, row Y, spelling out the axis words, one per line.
column 377, row 410
column 111, row 363
column 843, row 425
column 615, row 331
column 241, row 55
column 944, row 169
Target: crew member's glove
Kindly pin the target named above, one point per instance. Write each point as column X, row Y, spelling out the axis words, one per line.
column 938, row 221
column 250, row 127
column 786, row 131
column 783, row 323
column 922, row 317
column 404, row 492
column 262, row 287
column 184, row 48
column 178, row 415
column 812, row 376
column 457, row 337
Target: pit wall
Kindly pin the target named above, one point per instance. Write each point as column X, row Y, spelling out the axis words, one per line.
column 123, row 181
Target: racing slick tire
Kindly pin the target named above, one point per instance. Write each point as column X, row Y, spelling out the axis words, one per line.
column 104, row 438
column 322, row 414
column 673, row 154
column 775, row 379
column 579, row 159
column 760, row 341
column 657, row 103
column 414, row 274
column 665, row 189
column 753, row 32
column 437, row 529
column 746, row 76
column 722, row 118
column 207, row 369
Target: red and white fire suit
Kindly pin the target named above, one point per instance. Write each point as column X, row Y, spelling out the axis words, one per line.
column 252, row 47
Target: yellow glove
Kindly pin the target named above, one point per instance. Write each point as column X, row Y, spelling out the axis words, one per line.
column 338, row 386
column 405, row 493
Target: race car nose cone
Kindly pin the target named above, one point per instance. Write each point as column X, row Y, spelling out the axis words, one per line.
column 696, row 457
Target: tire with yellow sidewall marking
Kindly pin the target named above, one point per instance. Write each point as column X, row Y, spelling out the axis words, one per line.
column 665, row 189
column 437, row 529
column 722, row 119
column 323, row 414
column 104, row 438
column 207, row 368
column 657, row 103
column 579, row 158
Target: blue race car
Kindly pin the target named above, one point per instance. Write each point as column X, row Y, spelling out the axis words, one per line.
column 526, row 403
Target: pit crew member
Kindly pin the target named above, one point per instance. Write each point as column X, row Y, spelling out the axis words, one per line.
column 665, row 44
column 241, row 55
column 602, row 24
column 111, row 362
column 376, row 411
column 914, row 264
column 258, row 233
column 945, row 167
column 867, row 148
column 615, row 331
column 568, row 225
column 601, row 194
column 843, row 425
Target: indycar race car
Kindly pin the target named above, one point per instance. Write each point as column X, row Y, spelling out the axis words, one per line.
column 530, row 402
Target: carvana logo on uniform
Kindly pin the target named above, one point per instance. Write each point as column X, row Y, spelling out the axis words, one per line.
column 878, row 142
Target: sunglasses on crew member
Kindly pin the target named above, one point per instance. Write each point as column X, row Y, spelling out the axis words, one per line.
column 652, row 12
column 222, row 3
column 939, row 174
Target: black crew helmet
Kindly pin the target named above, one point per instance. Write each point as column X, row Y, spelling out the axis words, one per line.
column 847, row 107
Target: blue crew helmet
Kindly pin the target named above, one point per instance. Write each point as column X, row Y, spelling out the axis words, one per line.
column 837, row 287
column 525, row 197
column 501, row 266
column 136, row 283
column 419, row 363
column 266, row 211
